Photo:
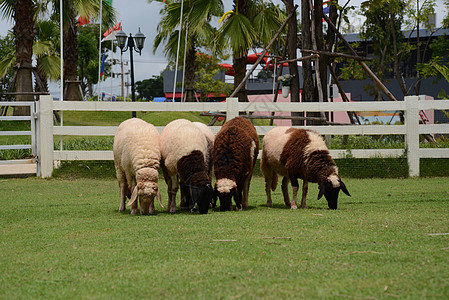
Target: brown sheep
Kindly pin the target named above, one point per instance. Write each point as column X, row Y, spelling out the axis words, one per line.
column 236, row 148
column 298, row 153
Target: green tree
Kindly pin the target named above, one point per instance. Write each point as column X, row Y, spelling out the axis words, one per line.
column 23, row 12
column 88, row 57
column 207, row 69
column 150, row 88
column 197, row 15
column 46, row 50
column 71, row 10
column 383, row 24
column 250, row 24
column 7, row 51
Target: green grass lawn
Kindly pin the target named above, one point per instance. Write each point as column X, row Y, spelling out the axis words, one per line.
column 64, row 238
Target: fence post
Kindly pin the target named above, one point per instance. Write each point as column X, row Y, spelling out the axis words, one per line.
column 46, row 135
column 232, row 108
column 412, row 134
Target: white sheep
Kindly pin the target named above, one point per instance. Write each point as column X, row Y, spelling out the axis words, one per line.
column 137, row 158
column 184, row 149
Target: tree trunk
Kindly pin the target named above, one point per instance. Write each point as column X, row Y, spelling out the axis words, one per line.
column 308, row 90
column 24, row 33
column 239, row 60
column 71, row 84
column 190, row 73
column 292, row 45
column 239, row 74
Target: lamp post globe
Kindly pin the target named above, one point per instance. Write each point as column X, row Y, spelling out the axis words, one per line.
column 132, row 44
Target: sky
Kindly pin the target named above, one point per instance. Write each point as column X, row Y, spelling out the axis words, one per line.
column 139, row 13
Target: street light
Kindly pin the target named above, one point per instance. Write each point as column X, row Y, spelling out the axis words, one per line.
column 134, row 44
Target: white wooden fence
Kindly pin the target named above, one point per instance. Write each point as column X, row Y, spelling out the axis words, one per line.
column 411, row 106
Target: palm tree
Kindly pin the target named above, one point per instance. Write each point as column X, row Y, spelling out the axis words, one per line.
column 249, row 25
column 196, row 17
column 23, row 12
column 45, row 48
column 71, row 10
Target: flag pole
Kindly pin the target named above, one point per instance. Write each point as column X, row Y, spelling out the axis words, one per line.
column 177, row 51
column 61, row 33
column 99, row 51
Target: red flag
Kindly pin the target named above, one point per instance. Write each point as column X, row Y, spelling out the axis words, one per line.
column 83, row 20
column 116, row 27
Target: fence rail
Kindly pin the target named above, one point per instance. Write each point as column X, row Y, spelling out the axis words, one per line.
column 21, row 166
column 411, row 129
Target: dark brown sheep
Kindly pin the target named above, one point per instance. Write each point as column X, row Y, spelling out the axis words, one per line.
column 235, row 153
column 298, row 153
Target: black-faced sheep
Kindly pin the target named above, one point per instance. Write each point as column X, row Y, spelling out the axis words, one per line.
column 184, row 152
column 137, row 159
column 236, row 148
column 297, row 153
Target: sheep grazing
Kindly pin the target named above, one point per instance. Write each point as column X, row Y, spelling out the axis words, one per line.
column 137, row 159
column 236, row 148
column 297, row 153
column 184, row 152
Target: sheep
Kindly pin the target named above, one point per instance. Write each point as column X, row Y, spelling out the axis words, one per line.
column 298, row 153
column 137, row 158
column 183, row 153
column 236, row 148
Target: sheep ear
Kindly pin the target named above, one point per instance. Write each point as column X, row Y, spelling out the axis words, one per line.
column 344, row 189
column 322, row 188
column 133, row 197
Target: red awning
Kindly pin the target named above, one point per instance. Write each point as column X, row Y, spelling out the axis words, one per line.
column 179, row 95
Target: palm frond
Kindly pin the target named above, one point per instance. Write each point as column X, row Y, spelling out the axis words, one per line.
column 444, row 70
column 238, row 33
column 7, row 9
column 6, row 63
column 50, row 65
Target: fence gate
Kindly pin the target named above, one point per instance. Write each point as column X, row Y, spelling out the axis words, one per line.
column 13, row 137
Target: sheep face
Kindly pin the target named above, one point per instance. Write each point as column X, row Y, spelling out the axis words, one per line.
column 146, row 192
column 225, row 189
column 201, row 195
column 330, row 191
column 226, row 200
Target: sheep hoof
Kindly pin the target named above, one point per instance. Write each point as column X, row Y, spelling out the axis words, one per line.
column 270, row 204
column 134, row 211
column 304, row 206
column 293, row 206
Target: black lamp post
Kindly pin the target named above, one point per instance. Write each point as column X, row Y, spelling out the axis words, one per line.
column 134, row 44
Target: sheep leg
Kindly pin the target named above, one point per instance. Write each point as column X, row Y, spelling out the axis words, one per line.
column 123, row 185
column 285, row 191
column 238, row 198
column 305, row 188
column 172, row 194
column 268, row 191
column 246, row 191
column 123, row 193
column 295, row 186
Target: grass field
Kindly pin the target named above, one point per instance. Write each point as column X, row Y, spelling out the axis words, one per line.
column 64, row 239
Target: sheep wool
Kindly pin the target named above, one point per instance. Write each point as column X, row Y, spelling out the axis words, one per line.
column 137, row 159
